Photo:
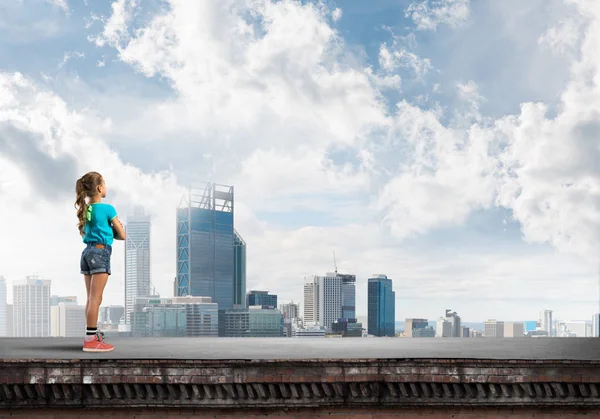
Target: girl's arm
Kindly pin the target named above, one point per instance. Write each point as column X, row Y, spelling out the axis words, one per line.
column 118, row 229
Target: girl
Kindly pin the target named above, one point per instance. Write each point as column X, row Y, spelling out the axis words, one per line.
column 98, row 225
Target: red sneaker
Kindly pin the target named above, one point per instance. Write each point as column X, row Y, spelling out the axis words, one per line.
column 97, row 344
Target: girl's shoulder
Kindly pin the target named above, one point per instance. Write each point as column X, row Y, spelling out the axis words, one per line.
column 105, row 208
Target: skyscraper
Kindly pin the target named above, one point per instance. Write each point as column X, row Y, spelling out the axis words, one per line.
column 3, row 313
column 31, row 298
column 596, row 325
column 454, row 320
column 239, row 276
column 546, row 321
column 330, row 299
column 381, row 306
column 211, row 255
column 137, row 259
column 348, row 296
column 311, row 301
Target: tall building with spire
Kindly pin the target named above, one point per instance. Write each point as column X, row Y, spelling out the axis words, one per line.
column 137, row 259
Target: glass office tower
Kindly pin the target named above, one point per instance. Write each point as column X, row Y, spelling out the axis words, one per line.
column 381, row 306
column 239, row 269
column 137, row 259
column 348, row 297
column 211, row 255
column 261, row 298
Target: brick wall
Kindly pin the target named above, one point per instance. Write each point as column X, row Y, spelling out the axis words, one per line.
column 300, row 414
column 298, row 384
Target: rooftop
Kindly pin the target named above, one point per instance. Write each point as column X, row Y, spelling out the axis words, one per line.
column 346, row 373
column 577, row 349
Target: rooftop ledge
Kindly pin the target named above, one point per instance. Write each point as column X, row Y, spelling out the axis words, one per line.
column 288, row 373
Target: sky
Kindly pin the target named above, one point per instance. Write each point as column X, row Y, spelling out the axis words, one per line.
column 453, row 145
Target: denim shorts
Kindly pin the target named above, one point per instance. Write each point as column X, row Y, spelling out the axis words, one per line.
column 94, row 260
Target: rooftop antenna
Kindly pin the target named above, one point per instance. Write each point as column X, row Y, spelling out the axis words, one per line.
column 334, row 262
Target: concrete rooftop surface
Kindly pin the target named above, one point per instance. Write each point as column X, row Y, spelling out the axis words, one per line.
column 576, row 349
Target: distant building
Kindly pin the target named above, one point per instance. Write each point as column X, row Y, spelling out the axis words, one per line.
column 177, row 316
column 443, row 328
column 546, row 321
column 211, row 255
column 347, row 328
column 253, row 322
column 329, row 298
column 348, row 297
column 454, row 320
column 514, row 330
column 67, row 320
column 112, row 314
column 3, row 304
column 239, row 270
column 290, row 310
column 309, row 332
column 596, row 325
column 137, row 259
column 261, row 298
column 31, row 298
column 311, row 301
column 465, row 332
column 493, row 329
column 475, row 333
column 530, row 325
column 573, row 328
column 10, row 325
column 538, row 333
column 56, row 300
column 418, row 328
column 381, row 306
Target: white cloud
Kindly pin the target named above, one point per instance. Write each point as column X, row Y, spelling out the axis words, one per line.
column 336, row 14
column 562, row 37
column 429, row 14
column 392, row 58
column 115, row 27
column 61, row 4
column 445, row 175
column 68, row 55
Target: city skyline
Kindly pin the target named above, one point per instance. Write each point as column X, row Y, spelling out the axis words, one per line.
column 430, row 143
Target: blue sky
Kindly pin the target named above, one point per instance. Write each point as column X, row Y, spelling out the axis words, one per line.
column 429, row 140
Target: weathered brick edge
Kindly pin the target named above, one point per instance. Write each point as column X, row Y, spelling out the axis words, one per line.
column 316, row 383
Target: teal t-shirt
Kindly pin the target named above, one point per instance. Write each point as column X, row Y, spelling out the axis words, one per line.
column 98, row 228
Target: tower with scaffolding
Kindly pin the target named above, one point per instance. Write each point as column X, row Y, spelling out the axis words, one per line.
column 211, row 255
